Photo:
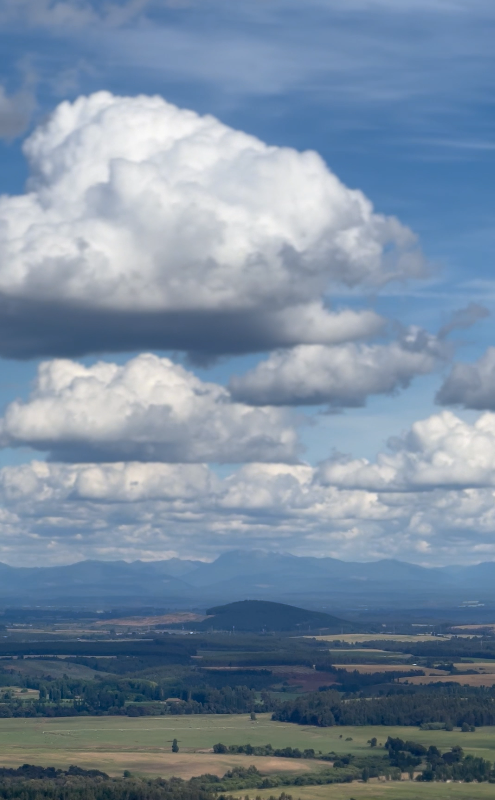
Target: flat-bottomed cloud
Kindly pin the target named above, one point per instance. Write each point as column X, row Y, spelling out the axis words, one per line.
column 149, row 226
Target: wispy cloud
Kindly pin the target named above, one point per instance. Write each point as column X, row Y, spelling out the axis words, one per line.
column 15, row 112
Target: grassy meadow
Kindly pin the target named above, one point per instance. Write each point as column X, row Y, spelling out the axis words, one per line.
column 356, row 638
column 143, row 744
column 378, row 790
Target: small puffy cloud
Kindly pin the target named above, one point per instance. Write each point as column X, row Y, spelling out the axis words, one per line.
column 342, row 376
column 471, row 385
column 440, row 452
column 148, row 226
column 149, row 409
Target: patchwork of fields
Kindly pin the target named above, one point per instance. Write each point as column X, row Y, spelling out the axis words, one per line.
column 143, row 745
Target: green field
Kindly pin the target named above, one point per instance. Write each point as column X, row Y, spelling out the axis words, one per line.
column 355, row 638
column 143, row 744
column 374, row 790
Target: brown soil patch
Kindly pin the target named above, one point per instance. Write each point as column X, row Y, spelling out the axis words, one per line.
column 486, row 627
column 308, row 679
column 145, row 622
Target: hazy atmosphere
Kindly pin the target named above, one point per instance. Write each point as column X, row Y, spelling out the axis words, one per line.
column 246, row 280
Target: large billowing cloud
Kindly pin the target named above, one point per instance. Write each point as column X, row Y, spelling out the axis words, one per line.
column 471, row 385
column 342, row 376
column 150, row 409
column 149, row 226
column 441, row 452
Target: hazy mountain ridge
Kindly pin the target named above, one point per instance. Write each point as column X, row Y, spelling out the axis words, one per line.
column 238, row 574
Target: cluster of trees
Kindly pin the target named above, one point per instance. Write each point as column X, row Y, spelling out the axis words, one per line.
column 169, row 648
column 452, row 765
column 33, row 772
column 227, row 700
column 327, row 708
column 131, row 697
column 249, row 778
column 35, row 783
column 268, row 750
column 405, row 755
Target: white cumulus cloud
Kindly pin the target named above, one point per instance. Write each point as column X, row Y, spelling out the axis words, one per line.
column 146, row 225
column 341, row 376
column 440, row 452
column 149, row 409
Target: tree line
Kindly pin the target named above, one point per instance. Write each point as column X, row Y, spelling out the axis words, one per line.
column 328, row 708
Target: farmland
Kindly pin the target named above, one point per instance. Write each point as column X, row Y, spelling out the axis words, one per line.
column 356, row 638
column 143, row 745
column 378, row 790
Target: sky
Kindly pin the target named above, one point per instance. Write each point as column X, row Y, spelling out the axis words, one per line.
column 246, row 279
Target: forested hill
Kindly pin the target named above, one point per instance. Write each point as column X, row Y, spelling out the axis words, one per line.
column 260, row 615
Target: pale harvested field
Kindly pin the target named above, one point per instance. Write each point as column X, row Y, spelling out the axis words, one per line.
column 143, row 745
column 159, row 761
column 145, row 622
column 487, row 627
column 370, row 650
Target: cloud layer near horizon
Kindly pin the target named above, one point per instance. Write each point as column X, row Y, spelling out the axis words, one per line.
column 149, row 226
column 59, row 512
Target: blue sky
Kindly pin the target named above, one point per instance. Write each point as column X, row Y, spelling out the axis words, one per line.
column 397, row 98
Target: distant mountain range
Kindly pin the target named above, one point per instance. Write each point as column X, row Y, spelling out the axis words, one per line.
column 319, row 583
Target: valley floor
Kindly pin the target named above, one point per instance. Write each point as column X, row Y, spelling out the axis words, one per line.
column 143, row 745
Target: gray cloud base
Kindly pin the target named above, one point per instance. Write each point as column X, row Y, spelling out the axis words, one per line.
column 471, row 385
